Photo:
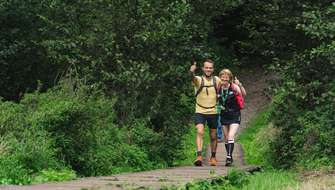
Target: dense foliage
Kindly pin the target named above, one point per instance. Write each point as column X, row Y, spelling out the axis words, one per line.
column 61, row 130
column 135, row 53
column 101, row 86
column 296, row 40
column 305, row 103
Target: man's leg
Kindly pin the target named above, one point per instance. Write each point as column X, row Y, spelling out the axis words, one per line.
column 212, row 122
column 200, row 135
column 213, row 137
column 199, row 142
column 214, row 142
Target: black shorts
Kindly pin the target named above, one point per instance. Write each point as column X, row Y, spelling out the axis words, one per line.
column 231, row 117
column 210, row 119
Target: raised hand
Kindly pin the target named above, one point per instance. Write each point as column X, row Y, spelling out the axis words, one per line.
column 193, row 67
column 236, row 81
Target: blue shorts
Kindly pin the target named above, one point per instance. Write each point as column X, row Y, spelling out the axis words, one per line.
column 210, row 119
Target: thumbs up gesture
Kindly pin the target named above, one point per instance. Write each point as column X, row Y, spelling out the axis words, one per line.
column 237, row 82
column 193, row 67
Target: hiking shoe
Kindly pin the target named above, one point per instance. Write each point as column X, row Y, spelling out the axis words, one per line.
column 213, row 161
column 198, row 161
column 229, row 161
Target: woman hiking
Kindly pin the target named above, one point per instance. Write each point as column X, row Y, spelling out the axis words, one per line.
column 230, row 105
column 219, row 126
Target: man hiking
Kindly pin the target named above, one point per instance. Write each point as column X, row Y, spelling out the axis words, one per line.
column 205, row 110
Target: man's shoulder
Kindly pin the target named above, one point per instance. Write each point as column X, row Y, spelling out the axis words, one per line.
column 197, row 80
column 218, row 80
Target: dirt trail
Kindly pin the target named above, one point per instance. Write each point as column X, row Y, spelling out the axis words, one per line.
column 254, row 81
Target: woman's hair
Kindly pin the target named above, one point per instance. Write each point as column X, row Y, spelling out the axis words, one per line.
column 228, row 72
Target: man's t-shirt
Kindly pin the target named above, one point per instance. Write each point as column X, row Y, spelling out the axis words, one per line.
column 207, row 98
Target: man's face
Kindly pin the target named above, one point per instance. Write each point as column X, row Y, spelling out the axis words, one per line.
column 208, row 69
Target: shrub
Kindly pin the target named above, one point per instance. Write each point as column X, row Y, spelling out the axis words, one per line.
column 53, row 175
column 63, row 129
column 304, row 108
column 12, row 171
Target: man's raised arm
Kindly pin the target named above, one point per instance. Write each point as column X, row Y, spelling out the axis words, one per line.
column 192, row 73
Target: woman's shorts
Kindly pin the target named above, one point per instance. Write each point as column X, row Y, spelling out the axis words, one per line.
column 231, row 117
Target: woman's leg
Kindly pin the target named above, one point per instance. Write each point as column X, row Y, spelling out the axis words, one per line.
column 231, row 141
column 232, row 131
column 225, row 134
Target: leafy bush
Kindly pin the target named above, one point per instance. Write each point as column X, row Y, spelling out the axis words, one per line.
column 24, row 149
column 34, row 149
column 12, row 117
column 146, row 139
column 296, row 41
column 63, row 129
column 138, row 53
column 12, row 171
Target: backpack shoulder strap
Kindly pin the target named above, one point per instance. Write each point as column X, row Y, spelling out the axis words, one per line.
column 239, row 98
column 202, row 83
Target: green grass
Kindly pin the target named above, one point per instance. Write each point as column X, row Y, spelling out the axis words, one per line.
column 53, row 175
column 240, row 180
column 272, row 179
column 255, row 139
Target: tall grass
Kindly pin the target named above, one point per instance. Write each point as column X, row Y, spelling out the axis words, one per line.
column 256, row 138
column 272, row 180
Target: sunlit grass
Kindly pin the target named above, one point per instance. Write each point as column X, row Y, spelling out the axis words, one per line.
column 321, row 182
column 256, row 137
column 255, row 140
column 272, row 180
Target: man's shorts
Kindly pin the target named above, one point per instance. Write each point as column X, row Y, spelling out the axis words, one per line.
column 210, row 119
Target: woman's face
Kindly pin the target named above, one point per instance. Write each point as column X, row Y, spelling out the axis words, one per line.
column 224, row 78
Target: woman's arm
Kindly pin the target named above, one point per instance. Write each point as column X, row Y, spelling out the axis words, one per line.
column 237, row 88
column 242, row 89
